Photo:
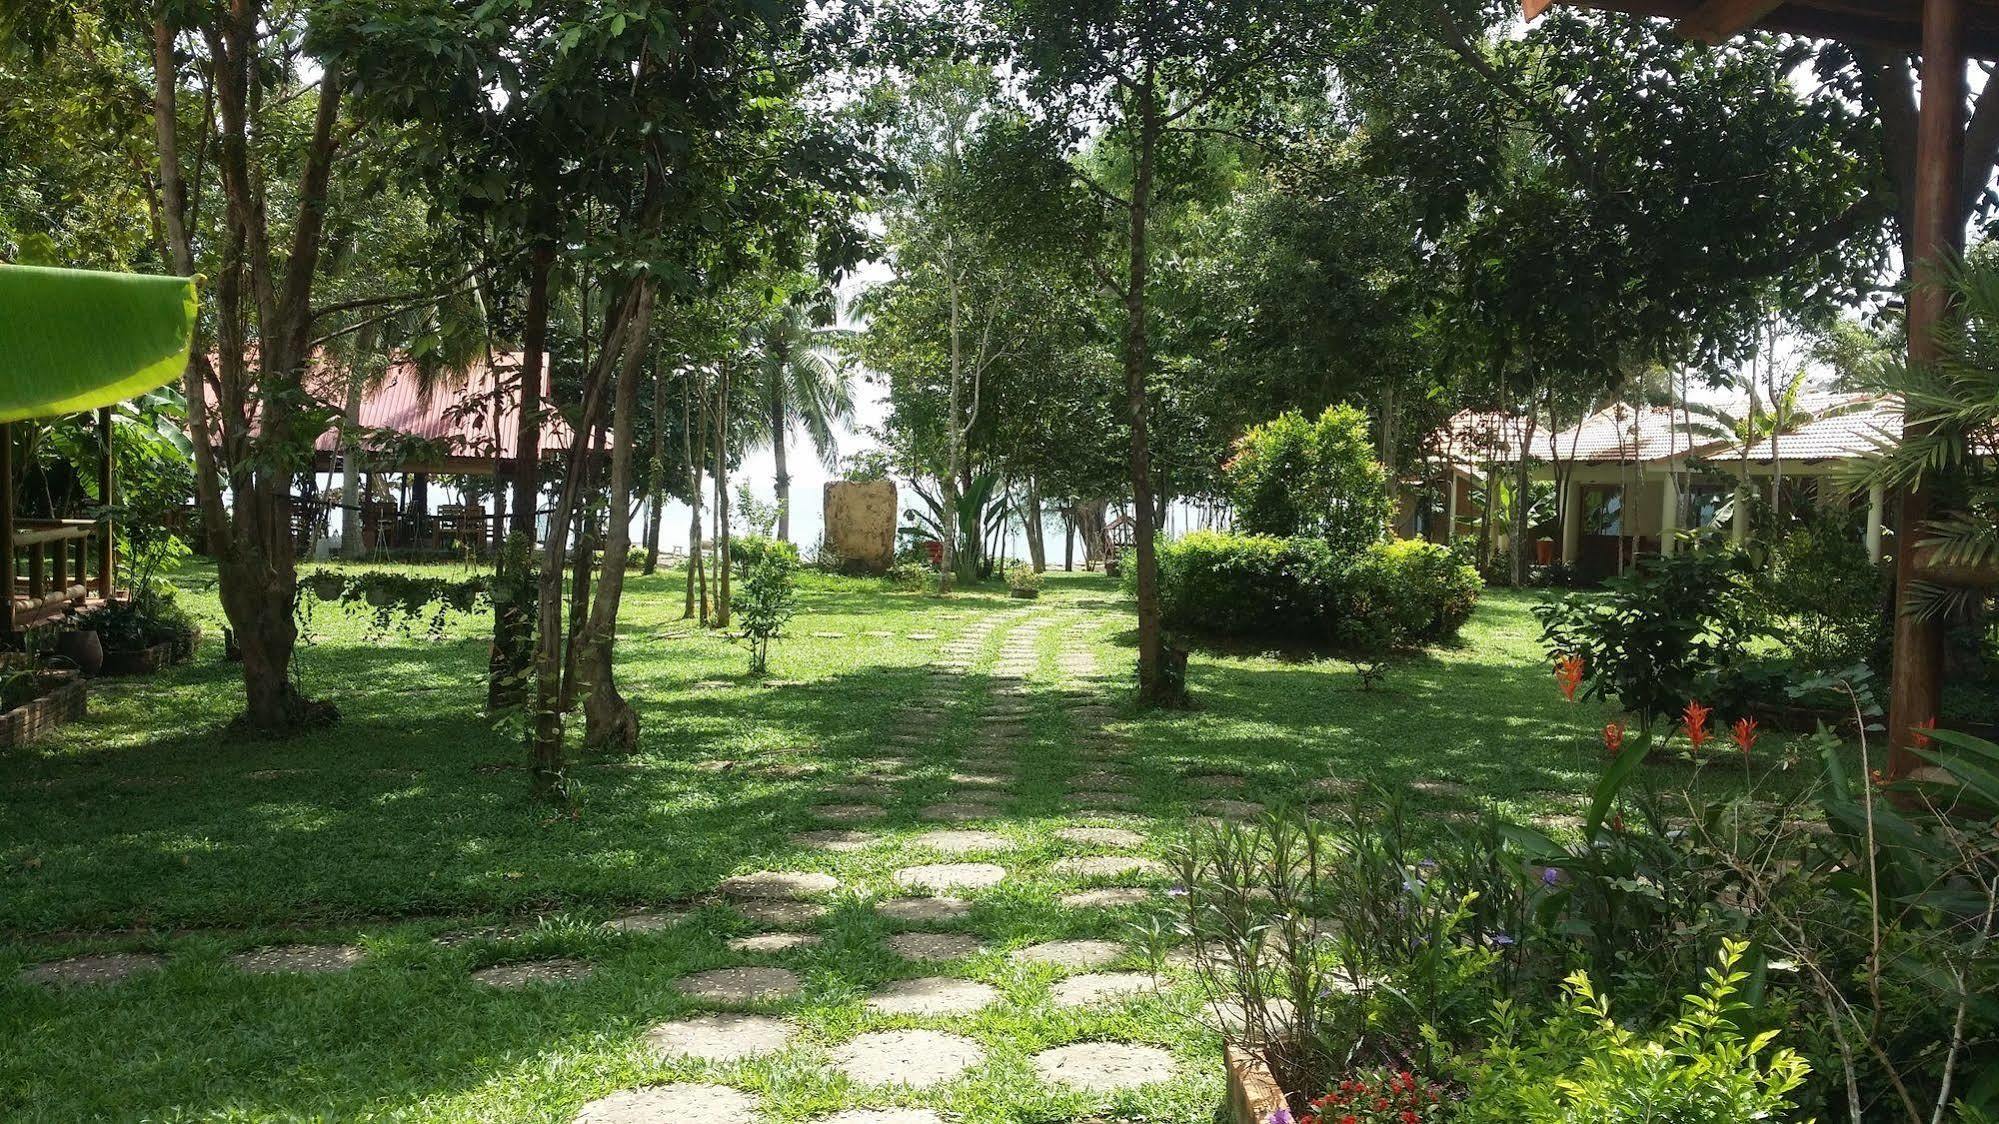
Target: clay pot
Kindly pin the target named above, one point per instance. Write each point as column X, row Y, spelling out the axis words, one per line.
column 82, row 648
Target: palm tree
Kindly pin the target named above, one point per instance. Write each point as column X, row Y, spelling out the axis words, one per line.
column 805, row 383
column 1784, row 413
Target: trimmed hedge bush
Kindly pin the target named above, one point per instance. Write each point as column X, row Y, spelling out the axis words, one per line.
column 1396, row 594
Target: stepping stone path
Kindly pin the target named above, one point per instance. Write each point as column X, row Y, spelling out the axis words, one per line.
column 1100, row 837
column 719, row 1036
column 782, row 914
column 1078, row 954
column 1108, row 866
column 962, row 842
column 950, row 876
column 1116, row 801
column 932, row 995
column 1109, row 897
column 1104, row 1067
column 1230, row 809
column 526, row 973
column 1099, row 987
column 304, row 959
column 103, row 968
column 773, row 942
column 655, row 1104
column 934, row 946
column 1214, row 782
column 923, row 911
column 740, row 985
column 1442, row 789
column 643, row 920
column 960, row 813
column 838, row 841
column 917, row 1058
column 849, row 813
column 779, row 884
column 881, row 1116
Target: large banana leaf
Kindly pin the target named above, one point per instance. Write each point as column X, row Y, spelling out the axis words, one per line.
column 75, row 339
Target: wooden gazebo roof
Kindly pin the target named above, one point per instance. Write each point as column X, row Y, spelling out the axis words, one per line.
column 1894, row 24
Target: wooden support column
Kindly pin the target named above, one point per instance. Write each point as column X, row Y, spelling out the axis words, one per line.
column 1451, row 507
column 107, row 480
column 7, row 520
column 1669, row 514
column 1572, row 522
column 1877, row 506
column 1916, row 686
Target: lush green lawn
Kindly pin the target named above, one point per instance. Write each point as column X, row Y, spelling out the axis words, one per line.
column 146, row 829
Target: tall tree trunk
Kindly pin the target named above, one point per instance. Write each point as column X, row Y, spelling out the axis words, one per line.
column 656, row 472
column 351, row 500
column 608, row 720
column 527, row 433
column 582, row 557
column 695, row 453
column 722, row 499
column 948, row 522
column 778, row 417
column 1037, row 550
column 1153, row 688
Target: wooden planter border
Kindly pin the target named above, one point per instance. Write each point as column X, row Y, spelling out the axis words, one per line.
column 1254, row 1096
column 64, row 700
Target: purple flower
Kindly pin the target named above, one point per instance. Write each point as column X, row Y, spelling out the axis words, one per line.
column 1177, row 892
column 1550, row 875
column 1503, row 940
column 1281, row 1116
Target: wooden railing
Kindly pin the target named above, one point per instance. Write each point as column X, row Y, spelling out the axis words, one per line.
column 49, row 564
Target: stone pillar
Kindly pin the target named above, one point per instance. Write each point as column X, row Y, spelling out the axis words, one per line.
column 1669, row 514
column 860, row 524
column 1738, row 529
column 1572, row 523
column 1877, row 504
column 1451, row 508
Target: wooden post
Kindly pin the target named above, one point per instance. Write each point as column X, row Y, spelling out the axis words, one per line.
column 7, row 520
column 1916, row 686
column 107, row 480
column 1877, row 504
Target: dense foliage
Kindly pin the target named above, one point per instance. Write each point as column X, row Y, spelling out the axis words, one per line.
column 1391, row 595
column 1292, row 476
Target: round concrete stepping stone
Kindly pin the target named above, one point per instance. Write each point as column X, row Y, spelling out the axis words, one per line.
column 932, row 995
column 685, row 1102
column 1115, row 801
column 1336, row 786
column 773, row 942
column 1099, row 987
column 1098, row 781
column 923, row 911
column 1070, row 953
column 958, row 812
column 103, row 968
column 849, row 813
column 934, row 946
column 962, row 842
column 782, row 915
column 917, row 1058
column 643, row 920
column 1108, row 897
column 298, row 958
column 1108, row 866
column 1233, row 1019
column 848, row 793
column 834, row 840
column 950, row 876
column 786, row 885
column 740, row 985
column 1104, row 1067
column 719, row 1036
column 1100, row 836
column 1230, row 809
column 1439, row 788
column 1214, row 782
column 983, row 780
column 881, row 1116
column 526, row 973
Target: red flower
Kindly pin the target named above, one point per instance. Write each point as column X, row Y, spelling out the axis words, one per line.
column 1409, row 1117
column 1613, row 738
column 1569, row 675
column 1745, row 734
column 1693, row 721
column 1879, row 778
column 1919, row 735
column 1617, row 821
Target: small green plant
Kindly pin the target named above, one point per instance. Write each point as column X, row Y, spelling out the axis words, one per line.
column 764, row 603
column 1583, row 1066
column 1022, row 578
column 909, row 577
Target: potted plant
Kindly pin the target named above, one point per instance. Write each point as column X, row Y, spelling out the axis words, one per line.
column 1023, row 582
column 327, row 585
column 143, row 634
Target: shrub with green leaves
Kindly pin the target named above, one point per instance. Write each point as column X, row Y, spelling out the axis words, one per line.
column 1422, row 592
column 1833, row 600
column 747, row 550
column 764, row 603
column 1583, row 1066
column 1319, row 479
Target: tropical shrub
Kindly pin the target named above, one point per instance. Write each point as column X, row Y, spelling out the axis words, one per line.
column 1660, row 634
column 909, row 576
column 1391, row 595
column 1314, row 479
column 764, row 603
column 1833, row 601
column 1581, row 1065
column 141, row 622
column 1023, row 578
column 747, row 550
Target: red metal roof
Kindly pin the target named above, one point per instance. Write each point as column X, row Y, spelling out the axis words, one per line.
column 458, row 414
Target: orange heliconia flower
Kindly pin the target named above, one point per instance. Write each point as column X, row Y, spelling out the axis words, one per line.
column 1919, row 736
column 1693, row 722
column 1613, row 738
column 1745, row 734
column 1569, row 675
